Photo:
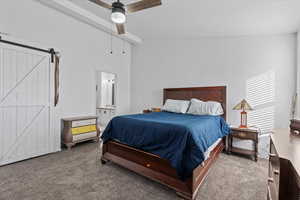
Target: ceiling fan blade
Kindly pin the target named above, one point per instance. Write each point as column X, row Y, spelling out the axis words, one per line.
column 141, row 5
column 101, row 3
column 120, row 29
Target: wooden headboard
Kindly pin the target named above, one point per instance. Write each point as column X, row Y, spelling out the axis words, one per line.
column 216, row 93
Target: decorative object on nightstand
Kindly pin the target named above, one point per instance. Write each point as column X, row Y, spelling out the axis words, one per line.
column 244, row 134
column 152, row 110
column 79, row 129
column 156, row 109
column 243, row 105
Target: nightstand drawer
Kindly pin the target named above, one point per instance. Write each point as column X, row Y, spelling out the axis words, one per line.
column 244, row 135
column 83, row 122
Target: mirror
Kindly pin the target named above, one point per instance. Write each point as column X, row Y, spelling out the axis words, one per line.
column 106, row 96
column 106, row 90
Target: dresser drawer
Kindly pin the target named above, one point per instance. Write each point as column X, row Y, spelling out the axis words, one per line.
column 274, row 166
column 83, row 122
column 273, row 158
column 274, row 174
column 83, row 129
column 274, row 162
column 84, row 136
column 272, row 191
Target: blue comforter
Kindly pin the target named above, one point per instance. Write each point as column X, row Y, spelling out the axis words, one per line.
column 181, row 139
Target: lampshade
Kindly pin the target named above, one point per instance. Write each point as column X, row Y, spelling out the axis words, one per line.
column 118, row 14
column 118, row 17
column 243, row 105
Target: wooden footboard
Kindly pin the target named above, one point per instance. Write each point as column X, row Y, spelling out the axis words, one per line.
column 158, row 169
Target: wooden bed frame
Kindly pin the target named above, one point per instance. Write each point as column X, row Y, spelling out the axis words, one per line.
column 158, row 169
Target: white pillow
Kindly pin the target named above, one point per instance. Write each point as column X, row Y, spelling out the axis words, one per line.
column 198, row 107
column 176, row 106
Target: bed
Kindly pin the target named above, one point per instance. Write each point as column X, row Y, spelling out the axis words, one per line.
column 161, row 165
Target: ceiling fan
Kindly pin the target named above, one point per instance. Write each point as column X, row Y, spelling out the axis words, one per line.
column 119, row 10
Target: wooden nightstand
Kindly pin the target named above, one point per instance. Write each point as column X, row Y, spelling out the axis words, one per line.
column 243, row 134
column 146, row 111
column 152, row 110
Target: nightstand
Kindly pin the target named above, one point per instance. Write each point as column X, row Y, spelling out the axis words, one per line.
column 244, row 134
column 152, row 110
column 146, row 111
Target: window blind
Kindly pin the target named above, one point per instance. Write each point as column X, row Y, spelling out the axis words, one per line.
column 261, row 96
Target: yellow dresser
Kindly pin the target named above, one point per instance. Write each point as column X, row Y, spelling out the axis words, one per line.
column 79, row 129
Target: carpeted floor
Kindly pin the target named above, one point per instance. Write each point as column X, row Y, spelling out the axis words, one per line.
column 78, row 175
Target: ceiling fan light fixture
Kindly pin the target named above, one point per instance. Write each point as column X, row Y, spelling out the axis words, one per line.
column 118, row 17
column 118, row 13
column 119, row 10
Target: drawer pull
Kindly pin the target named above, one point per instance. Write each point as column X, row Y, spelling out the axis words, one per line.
column 242, row 134
column 272, row 155
column 276, row 171
column 148, row 165
column 270, row 180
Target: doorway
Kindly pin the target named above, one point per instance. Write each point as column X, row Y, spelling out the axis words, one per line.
column 106, row 85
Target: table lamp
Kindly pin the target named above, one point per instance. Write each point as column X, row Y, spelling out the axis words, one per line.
column 243, row 105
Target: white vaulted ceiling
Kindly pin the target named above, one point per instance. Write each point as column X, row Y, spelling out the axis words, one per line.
column 195, row 18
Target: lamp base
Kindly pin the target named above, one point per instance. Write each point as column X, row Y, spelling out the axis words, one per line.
column 243, row 119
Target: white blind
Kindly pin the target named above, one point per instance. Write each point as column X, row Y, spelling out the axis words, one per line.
column 262, row 118
column 261, row 96
column 261, row 89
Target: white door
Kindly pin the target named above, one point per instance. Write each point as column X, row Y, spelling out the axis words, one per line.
column 26, row 128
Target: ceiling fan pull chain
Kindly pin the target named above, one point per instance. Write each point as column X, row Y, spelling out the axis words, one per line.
column 111, row 41
column 123, row 49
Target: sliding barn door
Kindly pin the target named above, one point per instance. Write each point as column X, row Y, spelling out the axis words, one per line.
column 25, row 104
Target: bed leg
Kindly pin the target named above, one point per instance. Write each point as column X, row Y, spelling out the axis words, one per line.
column 104, row 161
column 70, row 145
column 184, row 196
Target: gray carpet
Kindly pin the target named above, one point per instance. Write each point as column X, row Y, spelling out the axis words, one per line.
column 78, row 174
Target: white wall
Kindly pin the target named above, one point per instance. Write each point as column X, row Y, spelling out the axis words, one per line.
column 298, row 77
column 230, row 61
column 83, row 48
